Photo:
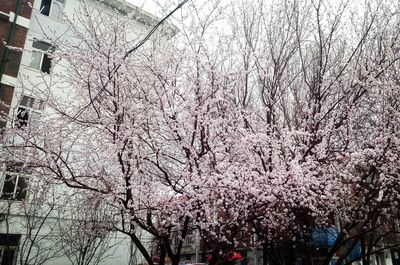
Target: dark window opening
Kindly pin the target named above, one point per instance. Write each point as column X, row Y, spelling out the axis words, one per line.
column 45, row 7
column 8, row 187
column 8, row 248
column 20, row 191
column 14, row 187
column 9, row 240
column 22, row 117
column 46, row 64
column 41, row 45
column 7, row 256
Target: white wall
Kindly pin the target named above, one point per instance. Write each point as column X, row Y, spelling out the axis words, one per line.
column 29, row 78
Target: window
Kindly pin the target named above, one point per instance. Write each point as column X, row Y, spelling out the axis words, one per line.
column 14, row 186
column 8, row 248
column 52, row 8
column 40, row 59
column 7, row 255
column 29, row 112
column 177, row 240
column 189, row 240
column 243, row 233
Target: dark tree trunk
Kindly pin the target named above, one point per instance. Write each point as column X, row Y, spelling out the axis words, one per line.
column 288, row 251
column 265, row 255
column 203, row 251
column 214, row 257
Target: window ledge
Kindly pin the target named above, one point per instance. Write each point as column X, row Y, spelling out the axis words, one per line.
column 22, row 21
column 4, row 15
column 9, row 80
column 49, row 17
column 36, row 71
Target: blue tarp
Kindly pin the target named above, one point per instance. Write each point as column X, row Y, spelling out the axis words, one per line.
column 355, row 254
column 324, row 237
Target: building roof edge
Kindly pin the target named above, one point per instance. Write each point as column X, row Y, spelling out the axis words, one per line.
column 127, row 8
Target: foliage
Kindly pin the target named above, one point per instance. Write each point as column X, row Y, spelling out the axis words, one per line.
column 284, row 115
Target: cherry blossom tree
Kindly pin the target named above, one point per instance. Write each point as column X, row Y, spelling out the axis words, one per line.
column 281, row 115
column 85, row 231
column 312, row 82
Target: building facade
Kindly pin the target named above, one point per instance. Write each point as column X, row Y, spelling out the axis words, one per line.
column 34, row 228
column 14, row 24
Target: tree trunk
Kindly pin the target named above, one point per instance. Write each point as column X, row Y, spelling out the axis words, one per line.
column 265, row 255
column 203, row 250
column 142, row 249
column 290, row 255
column 214, row 256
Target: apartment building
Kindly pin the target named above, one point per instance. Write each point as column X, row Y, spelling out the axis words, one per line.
column 27, row 230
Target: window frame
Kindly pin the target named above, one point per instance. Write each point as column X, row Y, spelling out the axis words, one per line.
column 31, row 110
column 61, row 6
column 14, row 195
column 34, row 50
column 42, row 53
